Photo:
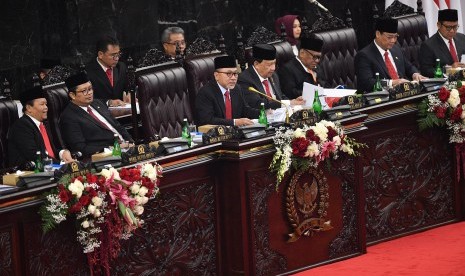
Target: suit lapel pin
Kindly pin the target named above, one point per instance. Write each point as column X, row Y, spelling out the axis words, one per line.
column 396, row 58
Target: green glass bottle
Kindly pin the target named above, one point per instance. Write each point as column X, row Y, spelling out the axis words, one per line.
column 377, row 86
column 116, row 146
column 438, row 71
column 317, row 107
column 262, row 117
column 39, row 166
column 186, row 133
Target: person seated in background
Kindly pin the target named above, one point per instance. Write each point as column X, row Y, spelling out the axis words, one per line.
column 30, row 133
column 447, row 44
column 46, row 65
column 385, row 57
column 262, row 77
column 221, row 101
column 293, row 30
column 86, row 123
column 302, row 68
column 171, row 37
column 107, row 74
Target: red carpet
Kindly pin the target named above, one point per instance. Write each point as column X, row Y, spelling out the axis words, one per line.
column 440, row 251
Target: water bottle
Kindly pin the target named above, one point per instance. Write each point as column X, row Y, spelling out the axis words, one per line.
column 317, row 107
column 116, row 146
column 438, row 71
column 377, row 86
column 262, row 118
column 186, row 133
column 39, row 166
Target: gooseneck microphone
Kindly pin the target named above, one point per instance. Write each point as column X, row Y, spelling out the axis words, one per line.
column 251, row 89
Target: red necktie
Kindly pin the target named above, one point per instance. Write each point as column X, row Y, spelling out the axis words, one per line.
column 390, row 67
column 267, row 88
column 91, row 113
column 48, row 146
column 227, row 104
column 110, row 75
column 452, row 51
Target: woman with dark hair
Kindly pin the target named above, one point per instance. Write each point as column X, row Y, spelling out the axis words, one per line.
column 293, row 29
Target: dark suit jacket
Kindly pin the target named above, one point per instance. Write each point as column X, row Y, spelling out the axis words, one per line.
column 249, row 78
column 433, row 48
column 101, row 84
column 292, row 76
column 24, row 140
column 83, row 133
column 210, row 108
column 368, row 61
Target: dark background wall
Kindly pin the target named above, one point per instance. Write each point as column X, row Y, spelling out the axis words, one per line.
column 30, row 30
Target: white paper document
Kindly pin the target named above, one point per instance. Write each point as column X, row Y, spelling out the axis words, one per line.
column 308, row 93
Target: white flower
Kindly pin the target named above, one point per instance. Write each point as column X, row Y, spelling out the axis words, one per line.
column 348, row 149
column 321, row 131
column 299, row 133
column 143, row 191
column 149, row 171
column 337, row 140
column 454, row 98
column 97, row 213
column 85, row 224
column 144, row 200
column 107, row 173
column 138, row 210
column 135, row 189
column 91, row 208
column 312, row 150
column 97, row 201
column 76, row 188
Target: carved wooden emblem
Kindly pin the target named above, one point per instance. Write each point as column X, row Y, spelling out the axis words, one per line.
column 307, row 201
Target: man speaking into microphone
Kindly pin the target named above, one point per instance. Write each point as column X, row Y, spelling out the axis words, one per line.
column 263, row 78
column 221, row 102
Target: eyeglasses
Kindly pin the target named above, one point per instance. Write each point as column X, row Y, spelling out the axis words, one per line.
column 181, row 43
column 229, row 74
column 314, row 57
column 86, row 91
column 450, row 28
column 116, row 56
column 391, row 36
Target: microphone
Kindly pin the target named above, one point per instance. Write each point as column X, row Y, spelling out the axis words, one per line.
column 251, row 89
column 318, row 5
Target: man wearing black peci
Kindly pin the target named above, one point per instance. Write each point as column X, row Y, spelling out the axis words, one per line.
column 221, row 101
column 384, row 56
column 262, row 77
column 86, row 124
column 107, row 74
column 30, row 133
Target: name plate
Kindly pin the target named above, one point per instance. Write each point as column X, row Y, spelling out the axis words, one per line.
column 353, row 101
column 218, row 134
column 457, row 75
column 73, row 169
column 303, row 117
column 138, row 153
column 404, row 90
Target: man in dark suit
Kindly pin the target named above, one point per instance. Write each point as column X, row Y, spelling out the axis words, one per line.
column 262, row 77
column 446, row 45
column 86, row 124
column 303, row 68
column 385, row 57
column 107, row 74
column 172, row 37
column 221, row 102
column 30, row 133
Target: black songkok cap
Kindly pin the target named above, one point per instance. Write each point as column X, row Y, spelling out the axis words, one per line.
column 448, row 15
column 75, row 80
column 264, row 51
column 388, row 25
column 49, row 63
column 31, row 94
column 225, row 62
column 311, row 43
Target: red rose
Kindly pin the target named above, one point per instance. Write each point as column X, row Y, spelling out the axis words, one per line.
column 461, row 90
column 455, row 116
column 299, row 146
column 64, row 195
column 440, row 112
column 75, row 208
column 84, row 200
column 312, row 137
column 331, row 133
column 443, row 94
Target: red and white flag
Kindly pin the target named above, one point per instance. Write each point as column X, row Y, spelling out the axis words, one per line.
column 431, row 8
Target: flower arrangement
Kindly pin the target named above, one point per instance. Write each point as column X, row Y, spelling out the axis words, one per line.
column 446, row 108
column 107, row 207
column 308, row 146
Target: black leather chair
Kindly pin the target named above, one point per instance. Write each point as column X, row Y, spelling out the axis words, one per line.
column 339, row 50
column 8, row 115
column 413, row 31
column 57, row 100
column 163, row 99
column 199, row 71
